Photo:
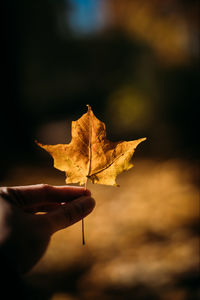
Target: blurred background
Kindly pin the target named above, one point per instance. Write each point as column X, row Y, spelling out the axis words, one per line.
column 136, row 63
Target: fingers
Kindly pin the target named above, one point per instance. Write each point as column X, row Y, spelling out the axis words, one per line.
column 41, row 207
column 42, row 193
column 69, row 213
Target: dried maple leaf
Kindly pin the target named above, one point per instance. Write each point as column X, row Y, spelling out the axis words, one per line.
column 90, row 154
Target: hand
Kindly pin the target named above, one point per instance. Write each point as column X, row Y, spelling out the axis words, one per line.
column 24, row 235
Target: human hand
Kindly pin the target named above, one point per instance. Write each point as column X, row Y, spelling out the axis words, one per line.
column 24, row 235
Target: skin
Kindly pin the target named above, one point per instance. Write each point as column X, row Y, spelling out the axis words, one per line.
column 25, row 235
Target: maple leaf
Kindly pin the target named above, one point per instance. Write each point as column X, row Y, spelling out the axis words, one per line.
column 90, row 154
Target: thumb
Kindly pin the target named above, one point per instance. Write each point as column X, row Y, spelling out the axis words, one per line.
column 70, row 213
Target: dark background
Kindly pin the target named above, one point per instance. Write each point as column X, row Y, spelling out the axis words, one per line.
column 57, row 60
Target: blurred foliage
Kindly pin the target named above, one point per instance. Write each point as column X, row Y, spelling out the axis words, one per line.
column 134, row 62
column 169, row 27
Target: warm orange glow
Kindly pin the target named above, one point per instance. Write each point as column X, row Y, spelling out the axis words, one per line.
column 140, row 233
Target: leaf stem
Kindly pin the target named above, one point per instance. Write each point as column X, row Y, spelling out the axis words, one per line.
column 83, row 231
column 90, row 142
column 89, row 165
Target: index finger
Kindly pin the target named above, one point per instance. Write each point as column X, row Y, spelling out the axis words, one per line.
column 42, row 193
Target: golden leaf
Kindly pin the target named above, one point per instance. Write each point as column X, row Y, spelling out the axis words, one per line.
column 90, row 154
